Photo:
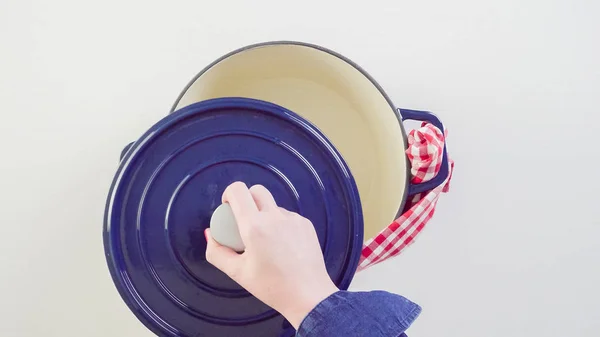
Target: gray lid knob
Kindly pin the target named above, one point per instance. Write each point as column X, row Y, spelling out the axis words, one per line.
column 224, row 228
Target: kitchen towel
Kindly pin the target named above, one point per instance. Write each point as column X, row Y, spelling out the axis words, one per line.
column 425, row 152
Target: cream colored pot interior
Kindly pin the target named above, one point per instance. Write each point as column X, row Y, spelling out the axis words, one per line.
column 337, row 98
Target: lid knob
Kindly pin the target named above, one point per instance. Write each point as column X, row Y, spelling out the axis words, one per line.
column 224, row 228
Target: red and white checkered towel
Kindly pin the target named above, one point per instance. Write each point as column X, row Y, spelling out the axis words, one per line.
column 425, row 152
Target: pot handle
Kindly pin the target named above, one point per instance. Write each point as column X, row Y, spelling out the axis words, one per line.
column 426, row 116
column 124, row 151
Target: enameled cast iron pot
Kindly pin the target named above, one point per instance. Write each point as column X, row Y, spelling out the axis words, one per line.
column 306, row 122
column 342, row 100
column 169, row 183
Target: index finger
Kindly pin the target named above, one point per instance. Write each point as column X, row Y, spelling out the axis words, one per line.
column 239, row 198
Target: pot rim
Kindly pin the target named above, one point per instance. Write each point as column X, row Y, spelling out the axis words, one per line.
column 395, row 110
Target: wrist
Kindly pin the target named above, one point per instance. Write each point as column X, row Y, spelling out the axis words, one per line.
column 301, row 303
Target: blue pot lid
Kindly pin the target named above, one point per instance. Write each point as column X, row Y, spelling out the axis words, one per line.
column 171, row 180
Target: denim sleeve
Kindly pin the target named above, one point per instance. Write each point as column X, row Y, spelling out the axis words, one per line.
column 368, row 314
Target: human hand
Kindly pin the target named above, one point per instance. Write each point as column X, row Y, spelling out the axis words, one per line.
column 283, row 264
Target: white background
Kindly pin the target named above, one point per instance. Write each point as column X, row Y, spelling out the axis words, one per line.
column 514, row 248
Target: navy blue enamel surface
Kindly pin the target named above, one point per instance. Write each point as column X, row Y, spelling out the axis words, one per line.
column 170, row 181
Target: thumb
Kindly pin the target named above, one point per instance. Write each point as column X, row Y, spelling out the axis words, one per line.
column 224, row 258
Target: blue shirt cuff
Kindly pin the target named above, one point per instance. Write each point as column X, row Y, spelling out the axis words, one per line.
column 375, row 313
